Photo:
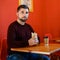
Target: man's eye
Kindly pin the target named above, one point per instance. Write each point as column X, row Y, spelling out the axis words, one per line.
column 26, row 12
column 22, row 12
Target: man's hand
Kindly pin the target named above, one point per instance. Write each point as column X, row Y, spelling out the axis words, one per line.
column 32, row 41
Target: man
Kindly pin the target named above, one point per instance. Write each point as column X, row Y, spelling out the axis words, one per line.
column 19, row 35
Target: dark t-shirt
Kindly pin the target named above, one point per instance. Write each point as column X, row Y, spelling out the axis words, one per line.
column 18, row 35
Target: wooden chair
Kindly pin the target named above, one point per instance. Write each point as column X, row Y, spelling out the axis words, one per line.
column 3, row 49
column 55, row 56
column 49, row 35
column 0, row 49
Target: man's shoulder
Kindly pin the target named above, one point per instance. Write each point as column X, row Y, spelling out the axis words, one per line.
column 28, row 25
column 13, row 24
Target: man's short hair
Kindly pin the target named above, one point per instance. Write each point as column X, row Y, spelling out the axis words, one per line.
column 22, row 6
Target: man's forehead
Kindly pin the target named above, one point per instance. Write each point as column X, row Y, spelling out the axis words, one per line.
column 23, row 9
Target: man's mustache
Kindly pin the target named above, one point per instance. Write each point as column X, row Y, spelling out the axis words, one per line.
column 24, row 17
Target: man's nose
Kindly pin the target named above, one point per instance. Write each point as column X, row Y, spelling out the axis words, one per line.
column 25, row 14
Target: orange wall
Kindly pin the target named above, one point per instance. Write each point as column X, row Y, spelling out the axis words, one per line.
column 45, row 17
column 7, row 15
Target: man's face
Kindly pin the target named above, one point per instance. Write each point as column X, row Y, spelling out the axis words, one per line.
column 23, row 14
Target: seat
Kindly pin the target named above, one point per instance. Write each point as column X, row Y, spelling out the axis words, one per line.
column 55, row 56
column 49, row 36
column 0, row 49
column 3, row 49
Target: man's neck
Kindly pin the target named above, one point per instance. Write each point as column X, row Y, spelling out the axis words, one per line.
column 22, row 23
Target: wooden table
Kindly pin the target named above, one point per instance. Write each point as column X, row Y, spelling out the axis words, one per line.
column 40, row 49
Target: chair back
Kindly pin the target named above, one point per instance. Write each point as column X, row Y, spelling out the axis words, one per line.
column 49, row 35
column 3, row 49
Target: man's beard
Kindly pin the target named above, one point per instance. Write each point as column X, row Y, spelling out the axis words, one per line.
column 23, row 20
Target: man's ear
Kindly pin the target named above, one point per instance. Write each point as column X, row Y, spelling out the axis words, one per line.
column 17, row 13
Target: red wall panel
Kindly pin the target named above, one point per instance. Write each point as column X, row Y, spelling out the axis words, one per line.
column 45, row 17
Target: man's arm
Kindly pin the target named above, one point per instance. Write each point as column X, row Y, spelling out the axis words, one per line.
column 11, row 39
column 32, row 40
